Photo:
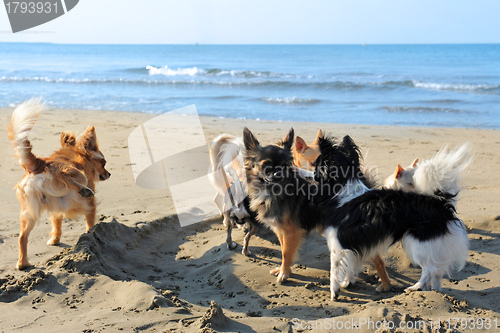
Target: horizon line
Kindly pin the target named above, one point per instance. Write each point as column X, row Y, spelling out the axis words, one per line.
column 256, row 44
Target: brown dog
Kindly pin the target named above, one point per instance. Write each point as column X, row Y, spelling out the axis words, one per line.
column 62, row 184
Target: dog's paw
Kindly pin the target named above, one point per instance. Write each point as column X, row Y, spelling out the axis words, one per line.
column 21, row 265
column 275, row 271
column 54, row 241
column 246, row 252
column 232, row 246
column 348, row 282
column 383, row 288
column 412, row 288
column 86, row 192
column 334, row 296
column 418, row 286
column 282, row 277
column 345, row 284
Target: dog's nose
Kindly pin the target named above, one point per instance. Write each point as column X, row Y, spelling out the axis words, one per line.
column 105, row 176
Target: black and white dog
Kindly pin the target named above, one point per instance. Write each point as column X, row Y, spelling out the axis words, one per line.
column 361, row 224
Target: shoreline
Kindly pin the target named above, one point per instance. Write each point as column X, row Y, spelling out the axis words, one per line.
column 138, row 269
column 149, row 114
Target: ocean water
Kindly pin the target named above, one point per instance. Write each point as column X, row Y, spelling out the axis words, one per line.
column 422, row 85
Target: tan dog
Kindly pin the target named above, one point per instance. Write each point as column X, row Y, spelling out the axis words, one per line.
column 304, row 156
column 62, row 184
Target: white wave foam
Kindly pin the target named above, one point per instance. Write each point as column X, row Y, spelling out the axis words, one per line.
column 452, row 86
column 217, row 72
column 190, row 71
column 423, row 109
column 56, row 80
column 291, row 100
column 147, row 81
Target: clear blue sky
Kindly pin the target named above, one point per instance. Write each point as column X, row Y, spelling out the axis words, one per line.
column 269, row 22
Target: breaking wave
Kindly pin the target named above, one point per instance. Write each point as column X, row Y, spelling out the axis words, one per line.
column 291, row 100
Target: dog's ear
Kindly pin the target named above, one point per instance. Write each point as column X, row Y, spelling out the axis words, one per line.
column 318, row 136
column 399, row 172
column 348, row 142
column 326, row 144
column 88, row 140
column 414, row 164
column 287, row 141
column 351, row 149
column 249, row 139
column 68, row 139
column 300, row 144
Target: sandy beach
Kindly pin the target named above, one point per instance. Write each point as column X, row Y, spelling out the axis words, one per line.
column 139, row 270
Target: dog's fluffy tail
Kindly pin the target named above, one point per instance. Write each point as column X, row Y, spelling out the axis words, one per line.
column 444, row 170
column 216, row 154
column 22, row 121
column 231, row 152
column 224, row 151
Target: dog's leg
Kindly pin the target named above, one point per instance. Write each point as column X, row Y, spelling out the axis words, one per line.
column 379, row 265
column 219, row 202
column 349, row 280
column 351, row 266
column 425, row 279
column 86, row 192
column 56, row 220
column 246, row 240
column 229, row 240
column 90, row 218
column 335, row 259
column 229, row 225
column 341, row 262
column 291, row 242
column 75, row 179
column 27, row 224
column 436, row 280
column 279, row 234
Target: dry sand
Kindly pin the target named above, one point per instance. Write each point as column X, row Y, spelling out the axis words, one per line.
column 138, row 270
